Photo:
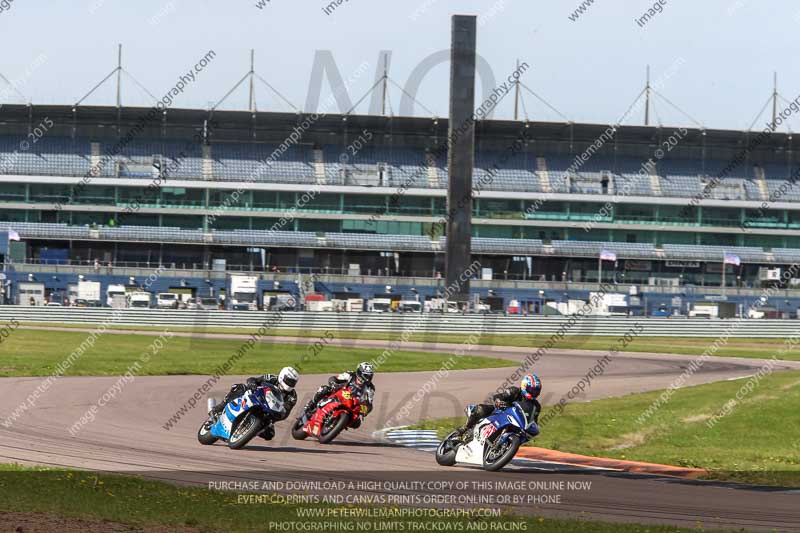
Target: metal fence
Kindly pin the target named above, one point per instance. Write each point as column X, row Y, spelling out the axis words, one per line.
column 399, row 322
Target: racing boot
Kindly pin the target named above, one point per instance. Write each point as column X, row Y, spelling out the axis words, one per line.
column 269, row 432
column 318, row 396
column 309, row 408
column 464, row 433
column 235, row 391
column 217, row 409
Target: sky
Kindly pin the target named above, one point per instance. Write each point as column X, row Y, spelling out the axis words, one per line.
column 714, row 59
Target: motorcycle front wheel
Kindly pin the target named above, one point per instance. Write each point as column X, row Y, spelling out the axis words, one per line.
column 204, row 435
column 329, row 433
column 497, row 455
column 243, row 432
column 297, row 430
column 446, row 452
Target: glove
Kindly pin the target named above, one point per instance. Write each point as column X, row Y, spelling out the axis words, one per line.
column 500, row 404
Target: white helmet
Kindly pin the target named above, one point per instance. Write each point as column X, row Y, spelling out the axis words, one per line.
column 288, row 378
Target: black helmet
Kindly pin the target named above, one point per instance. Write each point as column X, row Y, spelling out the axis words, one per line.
column 364, row 372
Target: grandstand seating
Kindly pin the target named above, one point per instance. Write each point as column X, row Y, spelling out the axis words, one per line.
column 412, row 243
column 748, row 254
column 593, row 249
column 385, row 165
column 484, row 245
column 49, row 156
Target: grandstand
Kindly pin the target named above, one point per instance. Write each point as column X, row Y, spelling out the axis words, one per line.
column 193, row 188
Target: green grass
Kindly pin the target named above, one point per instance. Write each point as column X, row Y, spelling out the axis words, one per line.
column 37, row 353
column 144, row 503
column 735, row 347
column 757, row 442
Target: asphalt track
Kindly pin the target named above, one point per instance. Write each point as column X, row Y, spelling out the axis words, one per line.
column 128, row 435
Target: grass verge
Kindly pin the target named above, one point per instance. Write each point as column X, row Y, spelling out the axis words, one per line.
column 735, row 347
column 37, row 353
column 755, row 442
column 152, row 504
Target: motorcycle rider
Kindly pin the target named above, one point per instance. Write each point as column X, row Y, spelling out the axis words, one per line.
column 525, row 395
column 360, row 380
column 285, row 380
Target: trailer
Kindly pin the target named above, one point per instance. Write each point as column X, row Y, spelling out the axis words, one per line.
column 347, row 302
column 90, row 292
column 609, row 304
column 714, row 310
column 280, row 302
column 30, row 293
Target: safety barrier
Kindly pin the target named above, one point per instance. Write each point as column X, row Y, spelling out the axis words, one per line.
column 413, row 322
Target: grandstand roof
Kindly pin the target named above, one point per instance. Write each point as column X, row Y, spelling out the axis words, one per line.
column 110, row 121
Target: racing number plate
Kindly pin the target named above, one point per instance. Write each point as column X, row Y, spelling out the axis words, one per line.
column 487, row 430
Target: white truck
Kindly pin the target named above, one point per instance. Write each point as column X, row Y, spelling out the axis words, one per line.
column 89, row 291
column 348, row 304
column 167, row 300
column 379, row 305
column 243, row 293
column 115, row 296
column 483, row 308
column 438, row 305
column 139, row 300
column 280, row 302
column 319, row 305
column 72, row 293
column 409, row 306
column 609, row 304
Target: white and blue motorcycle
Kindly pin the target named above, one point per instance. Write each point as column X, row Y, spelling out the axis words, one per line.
column 244, row 417
column 494, row 440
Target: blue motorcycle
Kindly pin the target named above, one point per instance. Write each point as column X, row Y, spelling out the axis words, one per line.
column 493, row 442
column 244, row 417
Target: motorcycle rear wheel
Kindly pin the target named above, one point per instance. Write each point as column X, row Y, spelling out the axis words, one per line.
column 247, row 428
column 341, row 422
column 297, row 430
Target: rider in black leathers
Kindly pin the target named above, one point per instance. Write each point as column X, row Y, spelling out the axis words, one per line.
column 360, row 380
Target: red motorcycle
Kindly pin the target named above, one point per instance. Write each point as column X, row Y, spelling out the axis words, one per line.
column 340, row 410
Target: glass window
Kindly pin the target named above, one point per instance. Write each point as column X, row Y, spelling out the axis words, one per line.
column 12, row 215
column 182, row 221
column 320, row 202
column 318, row 226
column 365, row 203
column 173, row 196
column 12, row 192
column 51, row 193
column 92, row 194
